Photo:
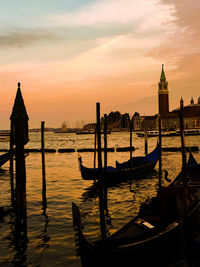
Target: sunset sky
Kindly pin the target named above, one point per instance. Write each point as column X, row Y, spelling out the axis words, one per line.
column 68, row 55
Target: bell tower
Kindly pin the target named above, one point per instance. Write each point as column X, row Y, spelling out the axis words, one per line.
column 163, row 94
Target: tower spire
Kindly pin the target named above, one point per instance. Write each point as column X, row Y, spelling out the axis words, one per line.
column 162, row 76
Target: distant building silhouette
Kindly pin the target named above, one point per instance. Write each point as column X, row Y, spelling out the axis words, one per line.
column 170, row 120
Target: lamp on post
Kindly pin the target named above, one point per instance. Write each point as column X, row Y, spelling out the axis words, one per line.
column 19, row 136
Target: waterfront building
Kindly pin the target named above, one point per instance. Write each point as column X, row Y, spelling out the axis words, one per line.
column 170, row 119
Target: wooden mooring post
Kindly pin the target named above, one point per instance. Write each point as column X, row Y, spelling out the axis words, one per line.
column 183, row 213
column 105, row 163
column 11, row 172
column 19, row 133
column 146, row 142
column 101, row 178
column 183, row 148
column 160, row 151
column 131, row 140
column 95, row 146
column 44, row 200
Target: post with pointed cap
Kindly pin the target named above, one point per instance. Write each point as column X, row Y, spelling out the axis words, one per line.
column 19, row 133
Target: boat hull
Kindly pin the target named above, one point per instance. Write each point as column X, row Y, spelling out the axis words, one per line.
column 131, row 169
column 117, row 175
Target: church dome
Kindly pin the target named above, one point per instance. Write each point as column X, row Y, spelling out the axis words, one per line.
column 199, row 100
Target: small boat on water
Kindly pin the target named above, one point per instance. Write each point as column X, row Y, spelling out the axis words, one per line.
column 189, row 132
column 156, row 236
column 131, row 169
column 4, row 158
column 62, row 130
column 90, row 132
column 169, row 133
column 156, row 133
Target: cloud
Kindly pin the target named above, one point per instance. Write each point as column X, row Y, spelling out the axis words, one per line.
column 183, row 43
column 21, row 37
column 148, row 13
column 181, row 51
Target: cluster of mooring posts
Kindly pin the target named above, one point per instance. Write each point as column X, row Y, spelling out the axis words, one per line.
column 103, row 202
column 103, row 205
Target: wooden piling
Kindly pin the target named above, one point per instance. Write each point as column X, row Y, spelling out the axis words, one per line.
column 44, row 201
column 99, row 138
column 95, row 146
column 11, row 171
column 146, row 143
column 20, row 177
column 101, row 184
column 183, row 218
column 183, row 149
column 131, row 135
column 105, row 163
column 160, row 151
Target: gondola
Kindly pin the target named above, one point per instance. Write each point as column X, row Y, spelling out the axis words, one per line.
column 157, row 235
column 152, row 157
column 123, row 171
column 4, row 158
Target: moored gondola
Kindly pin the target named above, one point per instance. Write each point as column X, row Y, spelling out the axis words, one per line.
column 123, row 171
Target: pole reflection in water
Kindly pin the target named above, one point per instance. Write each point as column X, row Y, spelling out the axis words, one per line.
column 18, row 241
column 89, row 199
column 45, row 238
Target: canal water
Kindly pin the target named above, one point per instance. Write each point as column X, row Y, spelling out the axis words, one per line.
column 51, row 239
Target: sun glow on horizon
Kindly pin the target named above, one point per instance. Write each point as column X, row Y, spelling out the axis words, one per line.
column 82, row 54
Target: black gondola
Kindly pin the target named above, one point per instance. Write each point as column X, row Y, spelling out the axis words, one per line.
column 156, row 236
column 123, row 171
column 4, row 158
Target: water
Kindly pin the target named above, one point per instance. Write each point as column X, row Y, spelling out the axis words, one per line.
column 51, row 235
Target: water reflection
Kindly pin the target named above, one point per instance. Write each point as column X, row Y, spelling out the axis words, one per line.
column 130, row 191
column 18, row 240
column 4, row 174
column 45, row 238
column 92, row 191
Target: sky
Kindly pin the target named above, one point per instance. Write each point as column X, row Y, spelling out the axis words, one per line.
column 68, row 55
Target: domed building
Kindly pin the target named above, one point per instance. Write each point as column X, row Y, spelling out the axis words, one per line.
column 170, row 120
column 191, row 114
